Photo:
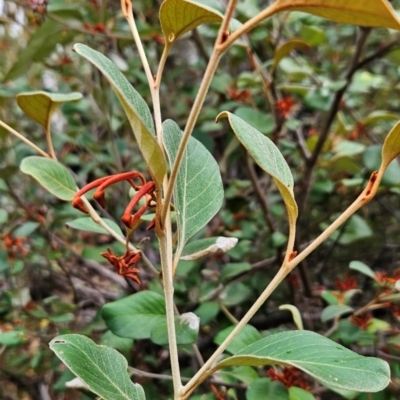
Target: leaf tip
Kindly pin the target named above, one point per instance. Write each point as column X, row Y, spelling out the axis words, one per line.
column 223, row 114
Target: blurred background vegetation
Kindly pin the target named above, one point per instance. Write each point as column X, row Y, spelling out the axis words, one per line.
column 326, row 94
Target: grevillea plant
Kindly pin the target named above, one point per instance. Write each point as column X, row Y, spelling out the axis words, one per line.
column 185, row 184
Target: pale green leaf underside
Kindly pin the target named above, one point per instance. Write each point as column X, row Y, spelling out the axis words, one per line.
column 363, row 268
column 198, row 191
column 325, row 360
column 268, row 157
column 356, row 12
column 101, row 368
column 136, row 109
column 52, row 175
column 87, row 224
column 40, row 105
column 178, row 17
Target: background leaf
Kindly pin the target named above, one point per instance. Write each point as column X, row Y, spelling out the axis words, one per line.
column 264, row 388
column 323, row 359
column 40, row 106
column 135, row 316
column 198, row 191
column 87, row 224
column 178, row 17
column 334, row 311
column 356, row 12
column 363, row 268
column 101, row 368
column 203, row 247
column 246, row 336
column 52, row 175
column 136, row 109
column 391, row 146
column 268, row 157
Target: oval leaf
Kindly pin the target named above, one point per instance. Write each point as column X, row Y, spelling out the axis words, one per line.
column 268, row 157
column 285, row 49
column 334, row 311
column 391, row 146
column 40, row 106
column 356, row 12
column 207, row 246
column 198, row 191
column 178, row 17
column 52, row 175
column 87, row 224
column 135, row 316
column 136, row 109
column 101, row 368
column 323, row 359
column 264, row 388
column 363, row 268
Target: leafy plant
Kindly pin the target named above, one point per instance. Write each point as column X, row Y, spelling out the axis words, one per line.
column 183, row 198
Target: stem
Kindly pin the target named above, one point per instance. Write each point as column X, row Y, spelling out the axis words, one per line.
column 24, row 139
column 49, row 141
column 126, row 6
column 218, row 50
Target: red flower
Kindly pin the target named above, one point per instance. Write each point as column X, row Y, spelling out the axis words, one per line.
column 289, row 376
column 362, row 321
column 347, row 283
column 124, row 265
column 285, row 106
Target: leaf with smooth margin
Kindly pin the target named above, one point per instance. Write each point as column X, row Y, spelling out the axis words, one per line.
column 363, row 268
column 186, row 330
column 377, row 13
column 233, row 269
column 246, row 336
column 204, row 247
column 198, row 191
column 285, row 49
column 391, row 146
column 326, row 361
column 297, row 393
column 136, row 109
column 135, row 316
column 268, row 157
column 101, row 368
column 40, row 106
column 298, row 321
column 334, row 311
column 52, row 175
column 178, row 17
column 87, row 224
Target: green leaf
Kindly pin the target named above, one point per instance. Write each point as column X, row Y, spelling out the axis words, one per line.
column 295, row 314
column 52, row 175
column 265, row 389
column 285, row 49
column 363, row 268
column 198, row 191
column 186, row 330
column 178, row 17
column 379, row 115
column 204, row 247
column 296, row 393
column 87, row 224
column 269, row 158
column 391, row 146
column 135, row 316
column 356, row 12
column 101, row 368
column 136, row 109
column 40, row 106
column 246, row 336
column 259, row 120
column 242, row 374
column 40, row 45
column 323, row 359
column 233, row 269
column 334, row 311
column 12, row 338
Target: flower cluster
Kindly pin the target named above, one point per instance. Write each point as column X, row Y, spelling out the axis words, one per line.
column 289, row 376
column 146, row 189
